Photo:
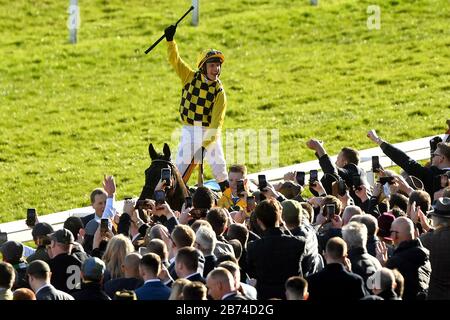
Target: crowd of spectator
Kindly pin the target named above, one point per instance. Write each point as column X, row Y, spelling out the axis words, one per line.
column 349, row 240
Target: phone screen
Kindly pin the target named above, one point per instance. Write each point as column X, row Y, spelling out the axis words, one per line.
column 262, row 182
column 240, row 187
column 356, row 181
column 31, row 217
column 300, row 178
column 331, row 211
column 160, row 197
column 313, row 176
column 375, row 164
column 188, row 201
column 165, row 176
column 251, row 203
column 3, row 237
column 103, row 226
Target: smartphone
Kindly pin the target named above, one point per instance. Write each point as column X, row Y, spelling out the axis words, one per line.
column 376, row 164
column 331, row 211
column 300, row 177
column 384, row 180
column 262, row 182
column 166, row 175
column 342, row 188
column 251, row 204
column 240, row 187
column 188, row 202
column 160, row 197
column 104, row 226
column 313, row 176
column 31, row 217
column 356, row 180
column 3, row 237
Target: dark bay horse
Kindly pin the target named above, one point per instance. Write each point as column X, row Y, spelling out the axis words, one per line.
column 176, row 195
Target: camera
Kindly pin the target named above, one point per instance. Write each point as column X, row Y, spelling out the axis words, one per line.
column 31, row 217
column 434, row 142
column 376, row 164
column 160, row 197
column 342, row 187
column 384, row 180
column 300, row 178
column 262, row 182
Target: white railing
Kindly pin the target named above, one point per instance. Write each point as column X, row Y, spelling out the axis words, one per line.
column 418, row 149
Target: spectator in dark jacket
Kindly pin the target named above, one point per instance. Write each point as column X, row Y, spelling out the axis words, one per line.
column 335, row 281
column 346, row 167
column 12, row 252
column 292, row 215
column 410, row 258
column 437, row 241
column 40, row 233
column 65, row 267
column 92, row 272
column 284, row 252
column 363, row 264
column 430, row 176
column 39, row 275
column 153, row 288
column 131, row 279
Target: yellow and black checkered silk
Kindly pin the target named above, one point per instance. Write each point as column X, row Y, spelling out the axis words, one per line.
column 197, row 100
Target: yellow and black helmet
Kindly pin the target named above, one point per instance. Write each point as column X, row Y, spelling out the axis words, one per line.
column 210, row 55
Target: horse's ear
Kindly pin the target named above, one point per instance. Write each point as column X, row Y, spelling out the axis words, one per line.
column 166, row 151
column 152, row 152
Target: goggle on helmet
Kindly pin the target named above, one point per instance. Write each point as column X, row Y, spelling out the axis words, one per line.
column 210, row 54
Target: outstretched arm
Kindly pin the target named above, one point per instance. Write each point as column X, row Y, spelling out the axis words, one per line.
column 181, row 68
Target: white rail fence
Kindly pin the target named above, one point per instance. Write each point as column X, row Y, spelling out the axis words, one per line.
column 418, row 149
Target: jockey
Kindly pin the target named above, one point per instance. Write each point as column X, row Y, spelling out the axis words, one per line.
column 202, row 111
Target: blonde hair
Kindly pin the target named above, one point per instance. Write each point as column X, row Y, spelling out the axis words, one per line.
column 117, row 249
column 177, row 289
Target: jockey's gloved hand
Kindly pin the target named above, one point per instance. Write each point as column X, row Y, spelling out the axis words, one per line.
column 169, row 32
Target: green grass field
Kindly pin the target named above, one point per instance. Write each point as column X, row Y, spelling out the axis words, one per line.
column 71, row 113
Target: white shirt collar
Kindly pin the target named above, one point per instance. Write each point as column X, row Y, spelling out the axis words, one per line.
column 152, row 280
column 232, row 293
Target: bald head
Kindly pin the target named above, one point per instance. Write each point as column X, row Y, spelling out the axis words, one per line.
column 382, row 280
column 402, row 229
column 131, row 265
column 220, row 281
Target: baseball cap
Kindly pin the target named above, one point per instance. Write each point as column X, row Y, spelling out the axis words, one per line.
column 384, row 225
column 63, row 236
column 441, row 208
column 12, row 251
column 93, row 269
column 291, row 210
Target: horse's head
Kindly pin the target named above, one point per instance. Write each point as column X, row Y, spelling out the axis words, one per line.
column 176, row 195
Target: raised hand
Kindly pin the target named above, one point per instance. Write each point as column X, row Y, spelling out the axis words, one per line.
column 169, row 32
column 109, row 185
column 381, row 253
